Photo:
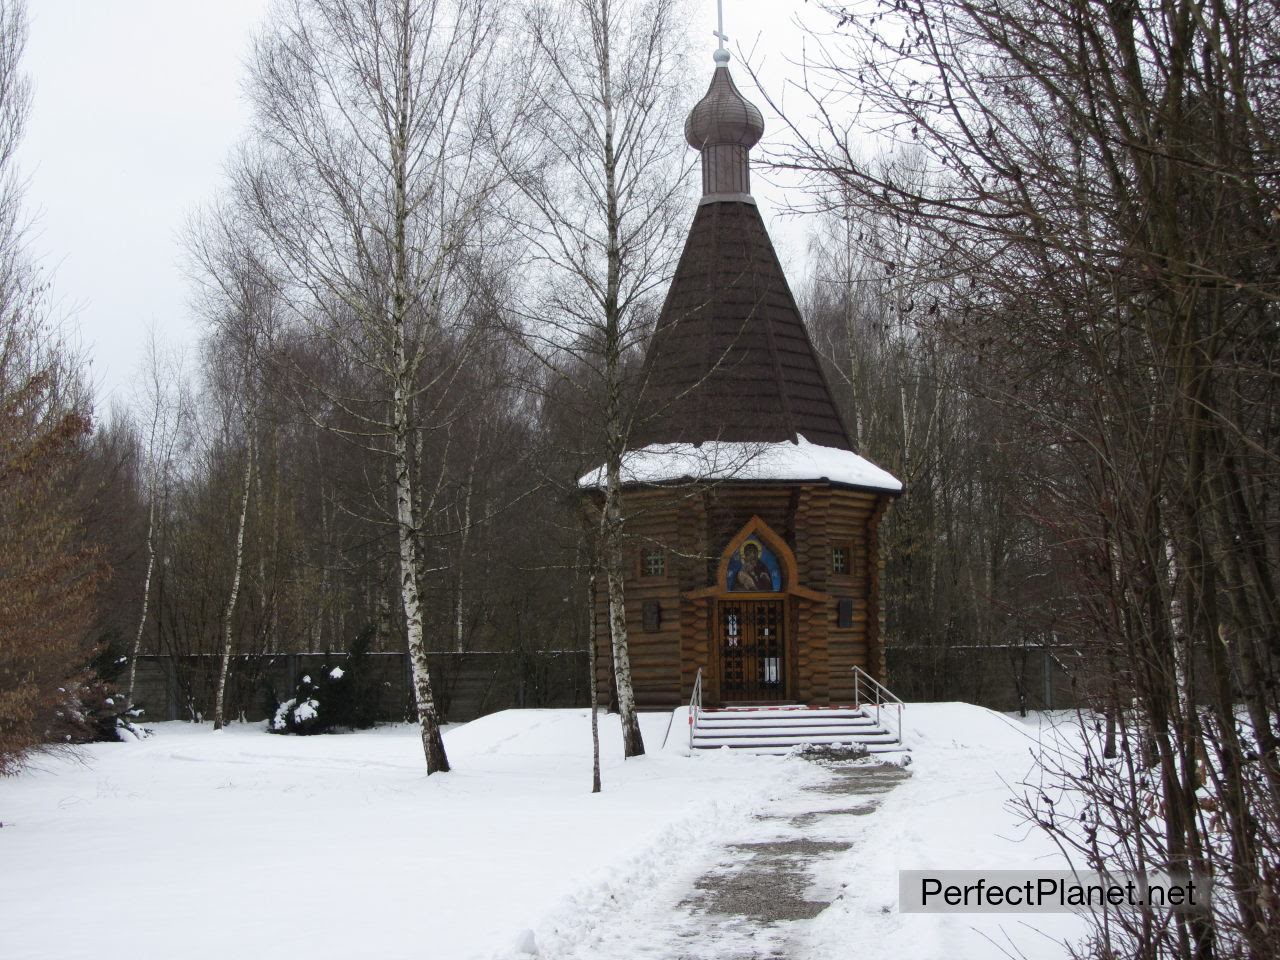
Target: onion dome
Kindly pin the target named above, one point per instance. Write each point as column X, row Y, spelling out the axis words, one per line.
column 724, row 126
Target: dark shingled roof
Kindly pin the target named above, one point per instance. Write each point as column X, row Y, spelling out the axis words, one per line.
column 730, row 358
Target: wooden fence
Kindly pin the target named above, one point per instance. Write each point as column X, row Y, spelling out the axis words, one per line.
column 474, row 683
column 1005, row 678
column 467, row 685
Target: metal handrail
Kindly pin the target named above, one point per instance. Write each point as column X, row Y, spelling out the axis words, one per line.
column 883, row 696
column 695, row 706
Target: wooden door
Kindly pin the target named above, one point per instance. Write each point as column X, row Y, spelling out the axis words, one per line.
column 751, row 639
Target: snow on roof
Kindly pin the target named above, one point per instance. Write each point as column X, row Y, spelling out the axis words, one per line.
column 723, row 460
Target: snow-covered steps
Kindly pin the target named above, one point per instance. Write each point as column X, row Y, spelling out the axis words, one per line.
column 777, row 730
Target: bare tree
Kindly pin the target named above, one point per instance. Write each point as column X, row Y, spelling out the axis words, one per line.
column 1101, row 214
column 164, row 397
column 241, row 297
column 601, row 176
column 966, row 563
column 368, row 182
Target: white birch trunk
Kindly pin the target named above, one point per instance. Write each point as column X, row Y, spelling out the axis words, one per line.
column 593, row 660
column 458, row 625
column 428, row 717
column 852, row 339
column 146, row 600
column 219, row 705
column 156, row 473
column 632, row 741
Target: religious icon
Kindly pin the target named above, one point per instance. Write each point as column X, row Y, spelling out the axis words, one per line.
column 753, row 568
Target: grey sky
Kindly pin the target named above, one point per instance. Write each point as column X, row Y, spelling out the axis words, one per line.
column 137, row 104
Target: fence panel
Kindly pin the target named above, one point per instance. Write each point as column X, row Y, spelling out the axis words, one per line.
column 467, row 685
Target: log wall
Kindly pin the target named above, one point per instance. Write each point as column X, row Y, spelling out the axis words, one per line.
column 692, row 526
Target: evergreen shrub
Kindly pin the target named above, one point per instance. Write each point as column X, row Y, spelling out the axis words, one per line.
column 340, row 695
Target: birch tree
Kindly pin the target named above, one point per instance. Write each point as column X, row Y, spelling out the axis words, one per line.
column 240, row 295
column 602, row 180
column 166, row 404
column 368, row 182
column 233, row 593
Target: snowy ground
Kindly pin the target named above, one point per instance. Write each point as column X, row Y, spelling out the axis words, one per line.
column 205, row 845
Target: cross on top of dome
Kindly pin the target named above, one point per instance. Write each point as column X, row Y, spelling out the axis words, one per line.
column 721, row 55
column 723, row 116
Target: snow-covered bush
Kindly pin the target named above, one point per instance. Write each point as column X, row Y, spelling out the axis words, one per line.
column 96, row 713
column 93, row 707
column 300, row 714
column 335, row 696
column 321, row 702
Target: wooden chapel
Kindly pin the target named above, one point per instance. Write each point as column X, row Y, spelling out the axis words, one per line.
column 752, row 522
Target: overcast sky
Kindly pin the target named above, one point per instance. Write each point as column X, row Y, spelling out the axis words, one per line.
column 137, row 104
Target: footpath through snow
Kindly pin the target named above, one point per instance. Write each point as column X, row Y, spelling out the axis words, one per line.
column 206, row 845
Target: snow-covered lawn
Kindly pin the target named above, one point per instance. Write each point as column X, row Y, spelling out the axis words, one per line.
column 200, row 845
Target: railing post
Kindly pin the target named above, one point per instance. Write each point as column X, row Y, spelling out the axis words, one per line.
column 882, row 696
column 695, row 706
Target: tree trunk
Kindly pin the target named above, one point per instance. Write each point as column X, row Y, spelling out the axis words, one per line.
column 219, row 704
column 593, row 660
column 428, row 716
column 146, row 599
column 632, row 742
column 459, row 632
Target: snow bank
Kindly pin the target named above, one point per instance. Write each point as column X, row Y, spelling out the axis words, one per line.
column 717, row 460
column 549, row 733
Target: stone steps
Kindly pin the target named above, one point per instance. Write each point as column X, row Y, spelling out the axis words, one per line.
column 776, row 730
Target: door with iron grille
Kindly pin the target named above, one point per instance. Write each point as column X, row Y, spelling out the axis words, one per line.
column 752, row 649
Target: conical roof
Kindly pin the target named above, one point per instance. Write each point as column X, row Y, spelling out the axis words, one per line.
column 730, row 358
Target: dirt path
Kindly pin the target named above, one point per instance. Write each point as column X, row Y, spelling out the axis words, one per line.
column 752, row 901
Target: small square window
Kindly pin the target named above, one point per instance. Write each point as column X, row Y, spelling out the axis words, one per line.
column 840, row 560
column 653, row 563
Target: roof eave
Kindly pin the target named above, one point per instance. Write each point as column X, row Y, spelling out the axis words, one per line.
column 748, row 481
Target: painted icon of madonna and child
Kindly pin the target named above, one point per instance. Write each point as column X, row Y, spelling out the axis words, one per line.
column 753, row 568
